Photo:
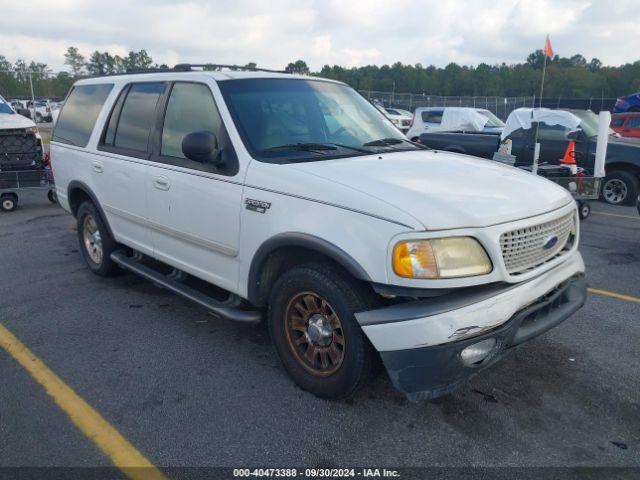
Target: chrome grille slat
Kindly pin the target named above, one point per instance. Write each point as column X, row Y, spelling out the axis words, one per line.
column 522, row 249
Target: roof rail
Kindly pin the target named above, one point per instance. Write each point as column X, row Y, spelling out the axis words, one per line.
column 133, row 71
column 216, row 66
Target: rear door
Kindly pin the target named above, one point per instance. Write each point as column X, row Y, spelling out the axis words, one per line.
column 121, row 166
column 194, row 208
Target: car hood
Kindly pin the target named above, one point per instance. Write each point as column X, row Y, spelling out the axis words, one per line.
column 444, row 190
column 15, row 120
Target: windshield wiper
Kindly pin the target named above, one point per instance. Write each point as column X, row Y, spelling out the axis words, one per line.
column 388, row 142
column 303, row 147
column 383, row 142
column 316, row 147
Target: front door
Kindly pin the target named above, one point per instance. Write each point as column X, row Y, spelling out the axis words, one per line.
column 194, row 208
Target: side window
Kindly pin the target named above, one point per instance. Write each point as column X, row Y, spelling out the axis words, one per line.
column 432, row 116
column 552, row 132
column 78, row 116
column 633, row 122
column 617, row 122
column 191, row 108
column 137, row 117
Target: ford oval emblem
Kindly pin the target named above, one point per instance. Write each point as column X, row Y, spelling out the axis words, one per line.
column 550, row 242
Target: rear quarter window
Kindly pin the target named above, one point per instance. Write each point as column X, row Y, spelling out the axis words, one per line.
column 78, row 116
column 433, row 116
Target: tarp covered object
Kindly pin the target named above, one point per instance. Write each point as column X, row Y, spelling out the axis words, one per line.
column 524, row 117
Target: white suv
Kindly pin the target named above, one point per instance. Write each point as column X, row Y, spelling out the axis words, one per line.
column 289, row 198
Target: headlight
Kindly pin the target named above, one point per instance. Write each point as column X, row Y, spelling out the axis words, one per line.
column 440, row 258
column 395, row 121
column 31, row 130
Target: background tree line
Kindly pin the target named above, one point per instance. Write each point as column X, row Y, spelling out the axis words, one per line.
column 567, row 77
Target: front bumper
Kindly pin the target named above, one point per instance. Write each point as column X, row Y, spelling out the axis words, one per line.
column 422, row 353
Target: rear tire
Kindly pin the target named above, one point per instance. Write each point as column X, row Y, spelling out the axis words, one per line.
column 314, row 331
column 8, row 202
column 51, row 195
column 620, row 188
column 95, row 241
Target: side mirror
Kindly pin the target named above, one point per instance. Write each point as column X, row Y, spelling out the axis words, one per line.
column 24, row 112
column 575, row 135
column 201, row 147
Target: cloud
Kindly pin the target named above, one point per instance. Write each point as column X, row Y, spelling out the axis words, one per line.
column 352, row 33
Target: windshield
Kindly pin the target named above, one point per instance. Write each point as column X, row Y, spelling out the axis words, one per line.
column 493, row 120
column 588, row 122
column 294, row 119
column 5, row 107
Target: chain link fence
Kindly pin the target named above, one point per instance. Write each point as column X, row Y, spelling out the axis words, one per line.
column 500, row 106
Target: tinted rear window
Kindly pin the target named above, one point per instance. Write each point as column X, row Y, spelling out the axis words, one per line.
column 138, row 116
column 78, row 116
column 432, row 116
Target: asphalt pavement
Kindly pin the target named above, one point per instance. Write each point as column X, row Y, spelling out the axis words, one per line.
column 187, row 389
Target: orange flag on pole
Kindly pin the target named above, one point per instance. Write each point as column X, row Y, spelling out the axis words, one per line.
column 548, row 50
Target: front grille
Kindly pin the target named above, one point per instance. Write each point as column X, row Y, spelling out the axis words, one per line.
column 527, row 248
column 19, row 150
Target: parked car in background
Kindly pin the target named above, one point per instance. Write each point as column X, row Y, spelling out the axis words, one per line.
column 400, row 118
column 20, row 108
column 303, row 205
column 621, row 185
column 20, row 141
column 452, row 119
column 40, row 111
column 630, row 103
column 626, row 124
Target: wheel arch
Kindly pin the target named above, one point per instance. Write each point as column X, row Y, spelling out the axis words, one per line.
column 613, row 165
column 285, row 250
column 77, row 193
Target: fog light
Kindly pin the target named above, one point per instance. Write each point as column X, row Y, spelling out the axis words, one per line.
column 477, row 352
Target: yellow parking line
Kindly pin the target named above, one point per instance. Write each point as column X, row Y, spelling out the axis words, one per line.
column 620, row 296
column 119, row 450
column 620, row 215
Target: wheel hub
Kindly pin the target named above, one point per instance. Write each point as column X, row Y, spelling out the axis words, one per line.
column 92, row 239
column 615, row 191
column 314, row 334
column 319, row 330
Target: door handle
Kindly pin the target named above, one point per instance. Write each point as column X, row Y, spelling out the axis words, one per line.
column 97, row 167
column 161, row 183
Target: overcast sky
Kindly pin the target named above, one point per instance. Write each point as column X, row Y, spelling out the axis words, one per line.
column 345, row 32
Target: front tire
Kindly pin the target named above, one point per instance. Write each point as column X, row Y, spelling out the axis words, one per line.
column 95, row 241
column 620, row 188
column 313, row 328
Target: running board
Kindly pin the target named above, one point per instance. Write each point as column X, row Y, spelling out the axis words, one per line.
column 220, row 308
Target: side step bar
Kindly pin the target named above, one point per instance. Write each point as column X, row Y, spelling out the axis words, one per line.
column 222, row 309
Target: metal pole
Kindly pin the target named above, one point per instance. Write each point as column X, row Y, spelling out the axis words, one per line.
column 534, row 170
column 33, row 98
column 544, row 71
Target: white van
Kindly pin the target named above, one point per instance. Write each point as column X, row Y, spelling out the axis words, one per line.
column 451, row 119
column 291, row 199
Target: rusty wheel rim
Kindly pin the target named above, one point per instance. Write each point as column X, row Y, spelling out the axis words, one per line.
column 314, row 334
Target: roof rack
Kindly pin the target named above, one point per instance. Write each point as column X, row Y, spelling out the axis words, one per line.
column 216, row 66
column 192, row 67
